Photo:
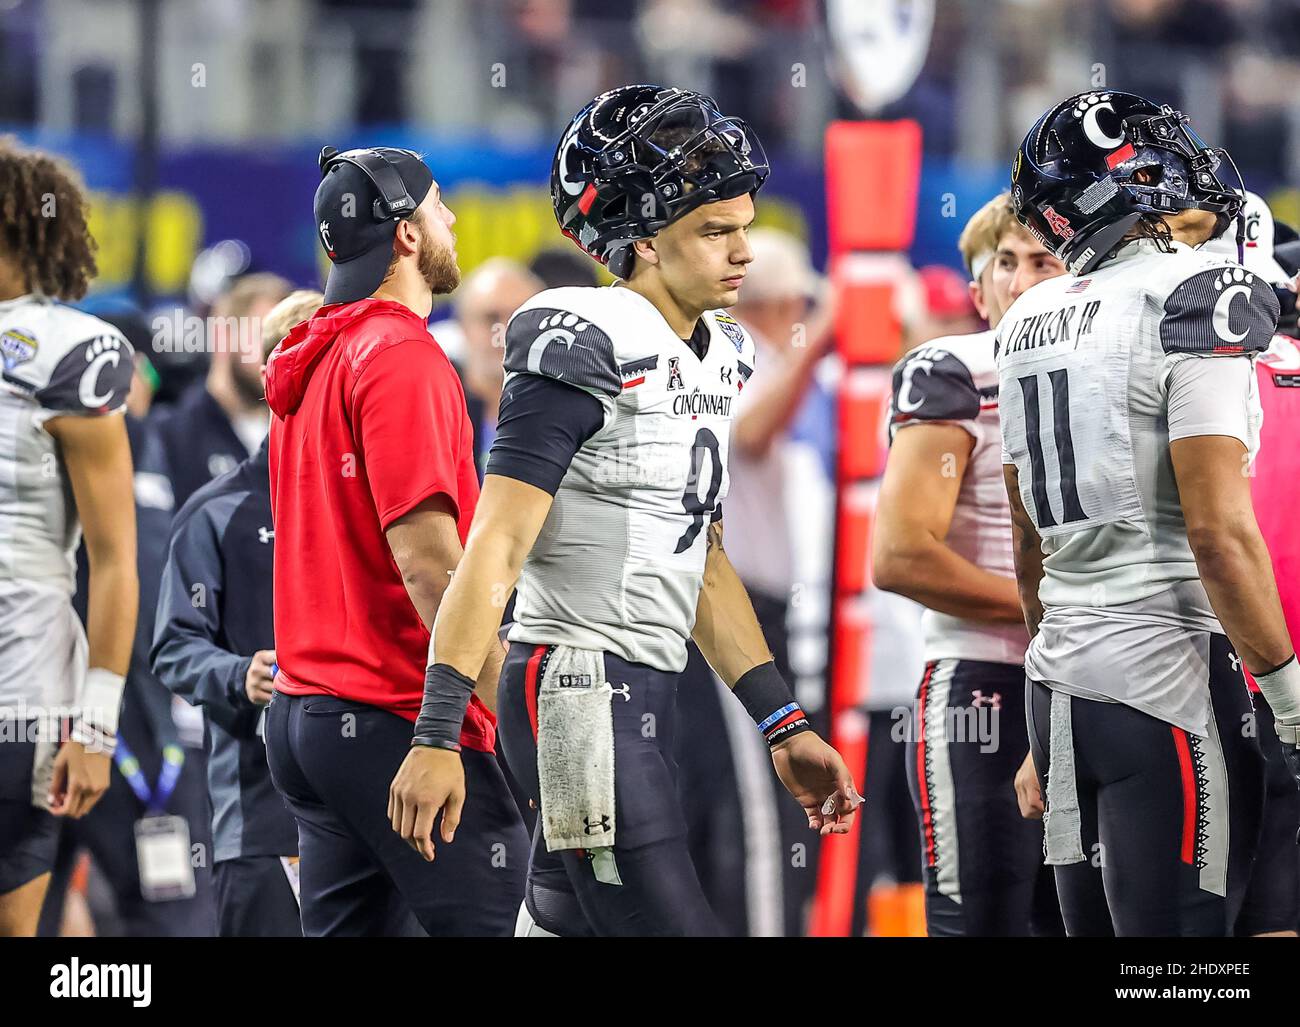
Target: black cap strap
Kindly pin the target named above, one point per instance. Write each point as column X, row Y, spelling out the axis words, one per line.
column 395, row 201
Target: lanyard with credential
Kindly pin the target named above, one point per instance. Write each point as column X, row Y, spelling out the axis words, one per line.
column 155, row 799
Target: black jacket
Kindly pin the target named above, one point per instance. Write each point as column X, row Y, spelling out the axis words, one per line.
column 198, row 439
column 214, row 612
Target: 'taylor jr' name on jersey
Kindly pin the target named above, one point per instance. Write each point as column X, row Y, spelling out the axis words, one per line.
column 1051, row 327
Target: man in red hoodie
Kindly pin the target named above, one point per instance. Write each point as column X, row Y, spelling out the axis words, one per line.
column 373, row 488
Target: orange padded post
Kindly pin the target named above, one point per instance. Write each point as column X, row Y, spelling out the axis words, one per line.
column 873, row 172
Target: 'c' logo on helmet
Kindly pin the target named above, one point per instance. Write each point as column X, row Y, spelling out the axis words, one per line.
column 1088, row 110
column 571, row 187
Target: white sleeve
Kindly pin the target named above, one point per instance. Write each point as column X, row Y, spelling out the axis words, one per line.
column 1213, row 397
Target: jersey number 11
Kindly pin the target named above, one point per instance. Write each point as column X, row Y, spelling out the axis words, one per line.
column 1060, row 423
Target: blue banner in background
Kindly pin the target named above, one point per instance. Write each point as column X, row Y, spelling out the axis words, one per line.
column 262, row 196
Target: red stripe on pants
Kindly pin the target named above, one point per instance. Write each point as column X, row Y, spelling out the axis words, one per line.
column 531, row 685
column 927, row 820
column 1189, row 794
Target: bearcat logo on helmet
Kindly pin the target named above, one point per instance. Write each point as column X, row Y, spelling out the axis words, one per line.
column 639, row 157
column 1095, row 164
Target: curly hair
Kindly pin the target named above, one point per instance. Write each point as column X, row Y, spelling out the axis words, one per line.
column 43, row 229
column 1149, row 226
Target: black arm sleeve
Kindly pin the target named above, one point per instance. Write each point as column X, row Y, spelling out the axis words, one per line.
column 541, row 425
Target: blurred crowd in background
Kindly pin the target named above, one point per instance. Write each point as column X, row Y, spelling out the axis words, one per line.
column 520, row 67
column 196, row 122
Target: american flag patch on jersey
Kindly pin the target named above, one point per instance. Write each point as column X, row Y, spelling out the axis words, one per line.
column 1080, row 285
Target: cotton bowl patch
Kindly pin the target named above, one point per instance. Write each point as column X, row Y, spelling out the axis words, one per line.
column 17, row 346
column 731, row 329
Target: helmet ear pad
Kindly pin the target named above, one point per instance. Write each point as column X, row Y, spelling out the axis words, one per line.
column 1101, row 242
column 621, row 261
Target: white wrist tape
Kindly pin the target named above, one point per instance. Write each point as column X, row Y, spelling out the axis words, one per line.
column 1282, row 690
column 98, row 705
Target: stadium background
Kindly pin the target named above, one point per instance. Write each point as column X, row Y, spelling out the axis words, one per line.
column 195, row 122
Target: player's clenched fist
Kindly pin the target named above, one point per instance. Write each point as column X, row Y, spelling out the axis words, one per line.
column 429, row 780
column 80, row 780
column 1029, row 796
column 816, row 776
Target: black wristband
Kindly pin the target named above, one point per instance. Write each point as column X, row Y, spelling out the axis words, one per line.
column 768, row 699
column 442, row 713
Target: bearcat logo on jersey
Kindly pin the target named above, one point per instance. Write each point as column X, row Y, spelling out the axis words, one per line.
column 1221, row 310
column 1059, row 327
column 17, row 346
column 101, row 352
column 731, row 329
column 563, row 345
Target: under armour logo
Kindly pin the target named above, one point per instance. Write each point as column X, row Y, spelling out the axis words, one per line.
column 1235, row 660
column 602, row 824
column 325, row 237
column 625, row 692
column 978, row 698
column 264, row 535
column 726, row 375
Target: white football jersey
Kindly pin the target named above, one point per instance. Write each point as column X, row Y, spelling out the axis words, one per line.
column 53, row 361
column 954, row 380
column 1087, row 369
column 619, row 562
column 56, row 360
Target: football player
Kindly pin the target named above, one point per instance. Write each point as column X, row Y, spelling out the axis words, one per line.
column 1129, row 415
column 65, row 468
column 1272, row 902
column 601, row 500
column 943, row 538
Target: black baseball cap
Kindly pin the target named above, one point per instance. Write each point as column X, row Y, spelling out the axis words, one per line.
column 362, row 195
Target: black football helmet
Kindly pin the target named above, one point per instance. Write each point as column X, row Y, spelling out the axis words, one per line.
column 639, row 157
column 1073, row 181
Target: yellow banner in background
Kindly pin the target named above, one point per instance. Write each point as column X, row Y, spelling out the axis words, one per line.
column 173, row 226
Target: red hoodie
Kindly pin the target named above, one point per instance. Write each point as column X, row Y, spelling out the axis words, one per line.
column 369, row 421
